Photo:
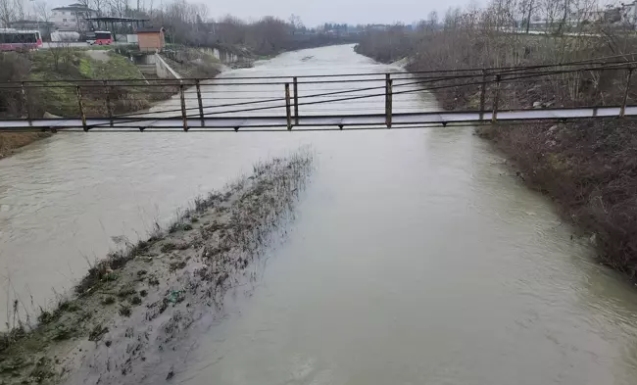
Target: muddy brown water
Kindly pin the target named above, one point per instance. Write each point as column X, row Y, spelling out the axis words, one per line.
column 415, row 257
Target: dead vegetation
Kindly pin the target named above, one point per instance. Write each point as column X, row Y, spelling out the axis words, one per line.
column 587, row 167
column 11, row 141
column 152, row 290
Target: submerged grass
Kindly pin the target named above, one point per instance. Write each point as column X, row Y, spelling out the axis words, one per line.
column 236, row 220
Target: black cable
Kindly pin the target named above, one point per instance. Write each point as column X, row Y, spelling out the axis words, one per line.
column 620, row 66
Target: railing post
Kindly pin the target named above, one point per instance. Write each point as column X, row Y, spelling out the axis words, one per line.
column 25, row 100
column 201, row 117
column 622, row 113
column 78, row 92
column 296, row 102
column 287, row 106
column 109, row 109
column 184, row 117
column 388, row 100
column 391, row 103
column 496, row 98
column 483, row 93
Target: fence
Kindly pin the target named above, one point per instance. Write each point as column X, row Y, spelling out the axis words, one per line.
column 588, row 90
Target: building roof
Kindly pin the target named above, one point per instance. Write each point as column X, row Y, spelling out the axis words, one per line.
column 117, row 19
column 19, row 22
column 75, row 7
column 150, row 30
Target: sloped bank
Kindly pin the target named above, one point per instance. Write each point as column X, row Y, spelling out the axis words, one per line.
column 10, row 142
column 587, row 168
column 136, row 313
column 62, row 67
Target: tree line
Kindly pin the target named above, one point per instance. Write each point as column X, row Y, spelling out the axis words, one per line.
column 191, row 24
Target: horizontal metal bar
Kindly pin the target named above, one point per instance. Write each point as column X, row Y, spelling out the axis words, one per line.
column 235, row 81
column 440, row 117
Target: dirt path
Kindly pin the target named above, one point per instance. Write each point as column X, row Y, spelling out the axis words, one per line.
column 138, row 313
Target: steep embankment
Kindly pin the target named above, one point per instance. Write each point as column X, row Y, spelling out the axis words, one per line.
column 138, row 312
column 61, row 67
column 588, row 168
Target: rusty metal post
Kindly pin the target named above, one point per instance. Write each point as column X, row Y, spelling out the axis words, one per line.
column 622, row 113
column 288, row 113
column 390, row 92
column 109, row 109
column 25, row 100
column 483, row 93
column 387, row 100
column 201, row 117
column 296, row 102
column 496, row 98
column 78, row 92
column 184, row 116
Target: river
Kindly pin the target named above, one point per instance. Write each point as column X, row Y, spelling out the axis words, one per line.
column 416, row 257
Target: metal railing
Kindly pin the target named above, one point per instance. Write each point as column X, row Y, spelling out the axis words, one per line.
column 292, row 102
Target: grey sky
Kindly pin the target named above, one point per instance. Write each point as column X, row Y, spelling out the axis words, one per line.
column 314, row 12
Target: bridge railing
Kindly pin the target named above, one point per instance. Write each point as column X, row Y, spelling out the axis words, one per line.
column 290, row 101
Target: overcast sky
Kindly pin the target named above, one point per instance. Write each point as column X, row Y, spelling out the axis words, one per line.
column 314, row 12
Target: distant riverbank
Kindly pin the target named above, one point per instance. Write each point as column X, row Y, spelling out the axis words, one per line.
column 586, row 167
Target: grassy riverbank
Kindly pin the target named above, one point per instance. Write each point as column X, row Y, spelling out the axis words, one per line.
column 136, row 308
column 588, row 168
column 63, row 67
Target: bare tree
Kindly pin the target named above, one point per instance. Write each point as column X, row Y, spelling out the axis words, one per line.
column 528, row 7
column 565, row 8
column 99, row 5
column 43, row 13
column 118, row 7
column 432, row 19
column 7, row 12
column 295, row 22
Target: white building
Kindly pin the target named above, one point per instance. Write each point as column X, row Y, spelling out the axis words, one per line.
column 72, row 18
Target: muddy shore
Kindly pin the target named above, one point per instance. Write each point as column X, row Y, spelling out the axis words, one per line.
column 10, row 142
column 138, row 312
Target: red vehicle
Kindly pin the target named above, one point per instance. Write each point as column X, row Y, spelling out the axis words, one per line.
column 101, row 38
column 15, row 40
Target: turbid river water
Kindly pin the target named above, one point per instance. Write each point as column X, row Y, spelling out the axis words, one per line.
column 416, row 257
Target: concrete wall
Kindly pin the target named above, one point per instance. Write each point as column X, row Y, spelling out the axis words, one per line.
column 226, row 57
column 164, row 71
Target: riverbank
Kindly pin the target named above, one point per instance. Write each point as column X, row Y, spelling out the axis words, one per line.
column 62, row 67
column 134, row 309
column 10, row 141
column 586, row 167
